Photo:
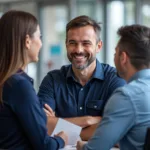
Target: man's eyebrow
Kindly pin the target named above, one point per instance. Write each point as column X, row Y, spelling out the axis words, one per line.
column 71, row 41
column 86, row 41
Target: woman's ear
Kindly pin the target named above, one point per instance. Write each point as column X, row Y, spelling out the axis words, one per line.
column 28, row 42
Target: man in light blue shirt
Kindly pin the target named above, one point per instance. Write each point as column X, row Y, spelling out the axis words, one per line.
column 127, row 113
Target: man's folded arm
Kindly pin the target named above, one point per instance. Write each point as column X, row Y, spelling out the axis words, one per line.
column 84, row 121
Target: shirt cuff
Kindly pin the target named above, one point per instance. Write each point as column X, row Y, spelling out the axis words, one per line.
column 84, row 147
column 60, row 142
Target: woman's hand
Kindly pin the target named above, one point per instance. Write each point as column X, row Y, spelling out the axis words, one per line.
column 64, row 136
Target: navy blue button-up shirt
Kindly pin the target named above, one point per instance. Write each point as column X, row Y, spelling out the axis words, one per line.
column 22, row 119
column 68, row 98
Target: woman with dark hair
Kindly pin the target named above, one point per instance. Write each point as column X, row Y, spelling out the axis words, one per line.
column 22, row 118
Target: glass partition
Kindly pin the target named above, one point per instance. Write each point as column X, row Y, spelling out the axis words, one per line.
column 54, row 15
column 146, row 13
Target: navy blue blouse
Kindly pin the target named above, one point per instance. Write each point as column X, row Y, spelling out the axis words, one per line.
column 22, row 119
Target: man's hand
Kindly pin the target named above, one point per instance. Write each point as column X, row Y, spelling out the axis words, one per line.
column 48, row 110
column 80, row 145
column 87, row 133
column 64, row 136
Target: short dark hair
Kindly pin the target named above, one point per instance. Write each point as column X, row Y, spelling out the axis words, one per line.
column 135, row 41
column 82, row 21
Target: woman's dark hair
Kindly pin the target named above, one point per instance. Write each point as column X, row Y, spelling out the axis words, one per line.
column 14, row 27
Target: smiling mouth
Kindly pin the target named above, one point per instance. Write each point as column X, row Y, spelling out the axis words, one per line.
column 79, row 56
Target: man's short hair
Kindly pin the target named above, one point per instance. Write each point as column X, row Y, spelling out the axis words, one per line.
column 82, row 21
column 135, row 41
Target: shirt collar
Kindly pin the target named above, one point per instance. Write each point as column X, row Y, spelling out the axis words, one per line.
column 140, row 74
column 98, row 73
column 24, row 74
column 70, row 73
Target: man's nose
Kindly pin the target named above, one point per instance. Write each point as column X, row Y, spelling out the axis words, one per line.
column 79, row 48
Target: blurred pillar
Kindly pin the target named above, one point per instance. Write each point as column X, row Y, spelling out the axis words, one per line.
column 72, row 9
column 138, row 16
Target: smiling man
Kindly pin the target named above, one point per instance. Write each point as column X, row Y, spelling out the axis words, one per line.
column 79, row 91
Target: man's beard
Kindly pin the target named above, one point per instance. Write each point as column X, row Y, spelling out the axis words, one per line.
column 85, row 65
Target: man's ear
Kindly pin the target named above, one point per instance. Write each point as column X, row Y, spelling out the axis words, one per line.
column 124, row 58
column 28, row 42
column 99, row 46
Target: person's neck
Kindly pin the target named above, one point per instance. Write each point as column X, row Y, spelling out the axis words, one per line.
column 23, row 68
column 83, row 76
column 133, row 71
column 130, row 72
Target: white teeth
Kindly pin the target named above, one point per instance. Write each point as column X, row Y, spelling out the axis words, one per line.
column 79, row 56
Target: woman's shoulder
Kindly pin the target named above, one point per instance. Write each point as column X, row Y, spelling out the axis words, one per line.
column 19, row 80
column 15, row 78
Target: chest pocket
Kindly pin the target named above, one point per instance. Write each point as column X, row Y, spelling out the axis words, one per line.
column 94, row 107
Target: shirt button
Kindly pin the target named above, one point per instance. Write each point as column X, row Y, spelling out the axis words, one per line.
column 80, row 108
column 95, row 106
column 81, row 89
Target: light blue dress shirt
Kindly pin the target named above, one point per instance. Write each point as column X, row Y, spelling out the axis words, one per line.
column 126, row 116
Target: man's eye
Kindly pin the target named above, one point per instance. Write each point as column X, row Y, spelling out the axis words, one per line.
column 72, row 43
column 86, row 44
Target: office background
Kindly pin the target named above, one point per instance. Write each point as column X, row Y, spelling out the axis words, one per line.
column 53, row 16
